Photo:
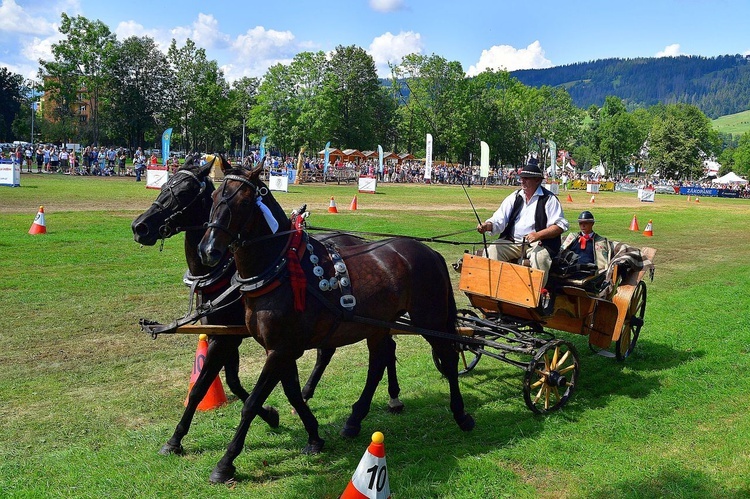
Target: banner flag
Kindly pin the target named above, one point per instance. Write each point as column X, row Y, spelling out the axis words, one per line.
column 428, row 159
column 553, row 157
column 484, row 159
column 380, row 159
column 166, row 138
column 262, row 159
column 325, row 158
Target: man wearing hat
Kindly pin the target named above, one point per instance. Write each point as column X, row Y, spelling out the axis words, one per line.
column 587, row 244
column 533, row 214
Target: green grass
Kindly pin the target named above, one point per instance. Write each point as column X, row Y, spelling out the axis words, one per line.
column 737, row 124
column 87, row 399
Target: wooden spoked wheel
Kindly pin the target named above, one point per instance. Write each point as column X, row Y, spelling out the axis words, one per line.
column 551, row 377
column 633, row 323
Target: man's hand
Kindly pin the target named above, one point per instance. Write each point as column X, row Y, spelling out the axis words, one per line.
column 485, row 227
column 532, row 237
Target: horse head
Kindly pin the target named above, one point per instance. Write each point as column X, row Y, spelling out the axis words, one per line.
column 243, row 210
column 184, row 202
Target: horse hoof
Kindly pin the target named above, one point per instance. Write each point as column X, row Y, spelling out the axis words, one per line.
column 349, row 431
column 273, row 416
column 467, row 423
column 222, row 474
column 395, row 406
column 169, row 449
column 315, row 447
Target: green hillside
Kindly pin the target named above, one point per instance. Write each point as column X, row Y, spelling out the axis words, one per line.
column 736, row 124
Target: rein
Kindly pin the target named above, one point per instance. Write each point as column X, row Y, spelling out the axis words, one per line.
column 434, row 239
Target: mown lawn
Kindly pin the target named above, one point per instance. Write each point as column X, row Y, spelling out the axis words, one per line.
column 88, row 400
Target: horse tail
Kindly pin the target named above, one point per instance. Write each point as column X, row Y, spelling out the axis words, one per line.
column 450, row 299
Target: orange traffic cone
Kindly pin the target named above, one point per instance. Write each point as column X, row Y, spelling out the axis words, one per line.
column 215, row 396
column 38, row 227
column 697, row 200
column 370, row 479
column 593, row 197
column 332, row 206
column 649, row 232
column 353, row 206
column 634, row 224
column 570, row 199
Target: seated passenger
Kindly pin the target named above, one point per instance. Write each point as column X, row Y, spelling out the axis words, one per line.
column 591, row 248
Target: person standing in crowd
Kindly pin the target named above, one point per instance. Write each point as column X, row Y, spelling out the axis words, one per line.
column 46, row 159
column 39, row 158
column 530, row 221
column 139, row 164
column 65, row 162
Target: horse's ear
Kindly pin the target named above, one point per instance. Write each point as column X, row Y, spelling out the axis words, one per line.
column 206, row 168
column 254, row 173
column 189, row 161
column 225, row 165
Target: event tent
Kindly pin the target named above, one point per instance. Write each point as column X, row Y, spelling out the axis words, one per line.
column 729, row 178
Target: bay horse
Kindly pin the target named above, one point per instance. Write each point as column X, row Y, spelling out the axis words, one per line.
column 184, row 205
column 388, row 278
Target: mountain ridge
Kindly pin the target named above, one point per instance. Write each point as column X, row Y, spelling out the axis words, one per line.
column 718, row 85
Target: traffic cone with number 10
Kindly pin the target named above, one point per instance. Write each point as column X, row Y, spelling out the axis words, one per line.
column 215, row 396
column 370, row 479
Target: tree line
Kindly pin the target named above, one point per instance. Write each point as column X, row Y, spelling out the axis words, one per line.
column 135, row 91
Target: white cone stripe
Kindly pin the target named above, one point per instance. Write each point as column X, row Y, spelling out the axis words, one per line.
column 371, row 477
column 39, row 218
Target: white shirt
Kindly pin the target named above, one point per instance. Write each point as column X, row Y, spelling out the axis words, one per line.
column 526, row 218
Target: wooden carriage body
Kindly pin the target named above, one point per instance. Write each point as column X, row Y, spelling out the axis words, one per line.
column 516, row 291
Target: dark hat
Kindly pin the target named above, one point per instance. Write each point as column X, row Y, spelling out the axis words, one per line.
column 531, row 171
column 586, row 216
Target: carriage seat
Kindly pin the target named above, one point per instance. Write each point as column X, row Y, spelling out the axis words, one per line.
column 567, row 272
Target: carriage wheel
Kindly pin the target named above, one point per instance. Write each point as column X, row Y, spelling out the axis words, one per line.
column 468, row 356
column 551, row 377
column 633, row 323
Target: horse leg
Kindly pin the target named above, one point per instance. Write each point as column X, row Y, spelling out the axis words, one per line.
column 230, row 349
column 322, row 360
column 395, row 405
column 268, row 379
column 449, row 368
column 290, row 383
column 375, row 369
column 211, row 367
column 231, row 346
column 216, row 357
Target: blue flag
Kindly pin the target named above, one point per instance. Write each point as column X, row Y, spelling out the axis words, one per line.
column 380, row 158
column 325, row 158
column 166, row 137
column 262, row 150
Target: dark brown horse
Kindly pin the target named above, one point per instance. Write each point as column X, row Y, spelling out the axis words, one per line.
column 183, row 205
column 388, row 279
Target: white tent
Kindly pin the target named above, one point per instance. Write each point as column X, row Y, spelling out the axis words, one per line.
column 729, row 178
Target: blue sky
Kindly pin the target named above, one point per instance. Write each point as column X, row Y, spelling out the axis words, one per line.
column 246, row 37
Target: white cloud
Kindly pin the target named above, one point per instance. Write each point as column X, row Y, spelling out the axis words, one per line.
column 670, row 51
column 390, row 48
column 258, row 49
column 387, row 5
column 15, row 19
column 510, row 58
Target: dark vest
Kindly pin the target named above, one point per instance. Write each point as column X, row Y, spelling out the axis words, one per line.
column 587, row 255
column 540, row 220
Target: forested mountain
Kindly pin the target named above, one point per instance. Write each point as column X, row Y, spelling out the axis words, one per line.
column 716, row 85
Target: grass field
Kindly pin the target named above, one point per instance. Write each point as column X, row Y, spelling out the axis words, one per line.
column 87, row 399
column 737, row 124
